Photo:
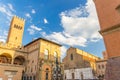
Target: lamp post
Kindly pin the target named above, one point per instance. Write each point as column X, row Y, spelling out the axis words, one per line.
column 57, row 70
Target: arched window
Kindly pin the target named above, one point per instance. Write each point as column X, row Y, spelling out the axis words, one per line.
column 102, row 66
column 47, row 75
column 55, row 55
column 71, row 56
column 46, row 54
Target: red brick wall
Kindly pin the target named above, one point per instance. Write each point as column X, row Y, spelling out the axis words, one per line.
column 107, row 13
column 112, row 42
column 109, row 17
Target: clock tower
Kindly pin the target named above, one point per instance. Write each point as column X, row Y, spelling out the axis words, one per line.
column 16, row 30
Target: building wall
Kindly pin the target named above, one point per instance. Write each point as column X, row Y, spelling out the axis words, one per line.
column 37, row 58
column 11, row 68
column 32, row 63
column 85, row 73
column 76, row 62
column 51, row 47
column 101, row 67
column 81, row 59
column 109, row 17
column 107, row 14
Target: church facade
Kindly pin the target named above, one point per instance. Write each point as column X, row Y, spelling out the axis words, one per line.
column 79, row 65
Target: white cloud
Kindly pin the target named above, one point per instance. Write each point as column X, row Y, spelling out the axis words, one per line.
column 7, row 9
column 80, row 26
column 33, row 11
column 64, row 38
column 28, row 15
column 81, row 21
column 6, row 13
column 35, row 28
column 11, row 7
column 32, row 29
column 45, row 21
column 3, row 36
column 63, row 51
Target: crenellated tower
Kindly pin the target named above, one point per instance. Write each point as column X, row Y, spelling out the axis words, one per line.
column 16, row 30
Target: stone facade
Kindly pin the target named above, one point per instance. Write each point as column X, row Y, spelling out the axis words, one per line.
column 113, row 69
column 79, row 59
column 42, row 55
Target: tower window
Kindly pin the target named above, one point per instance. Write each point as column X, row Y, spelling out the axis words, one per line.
column 17, row 27
column 15, row 38
column 71, row 56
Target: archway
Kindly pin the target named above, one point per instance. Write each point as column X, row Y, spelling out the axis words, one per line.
column 5, row 58
column 19, row 60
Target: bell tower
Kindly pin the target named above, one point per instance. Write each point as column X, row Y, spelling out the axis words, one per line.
column 16, row 30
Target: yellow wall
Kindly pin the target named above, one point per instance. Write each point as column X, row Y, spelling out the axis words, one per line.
column 16, row 32
column 51, row 47
column 89, row 57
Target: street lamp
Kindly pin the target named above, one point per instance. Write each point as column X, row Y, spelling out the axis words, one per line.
column 57, row 70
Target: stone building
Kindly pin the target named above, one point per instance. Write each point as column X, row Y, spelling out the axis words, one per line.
column 42, row 55
column 34, row 61
column 79, row 62
column 100, row 68
column 109, row 17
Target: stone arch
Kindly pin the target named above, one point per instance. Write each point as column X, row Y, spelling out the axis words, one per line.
column 19, row 60
column 5, row 58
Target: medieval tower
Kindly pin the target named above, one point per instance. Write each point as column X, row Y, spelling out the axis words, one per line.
column 15, row 35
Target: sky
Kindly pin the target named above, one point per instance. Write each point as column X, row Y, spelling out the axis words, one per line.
column 67, row 22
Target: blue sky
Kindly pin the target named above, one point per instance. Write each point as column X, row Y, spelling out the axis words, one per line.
column 67, row 22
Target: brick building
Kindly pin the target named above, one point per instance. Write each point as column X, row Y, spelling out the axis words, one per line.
column 79, row 63
column 109, row 17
